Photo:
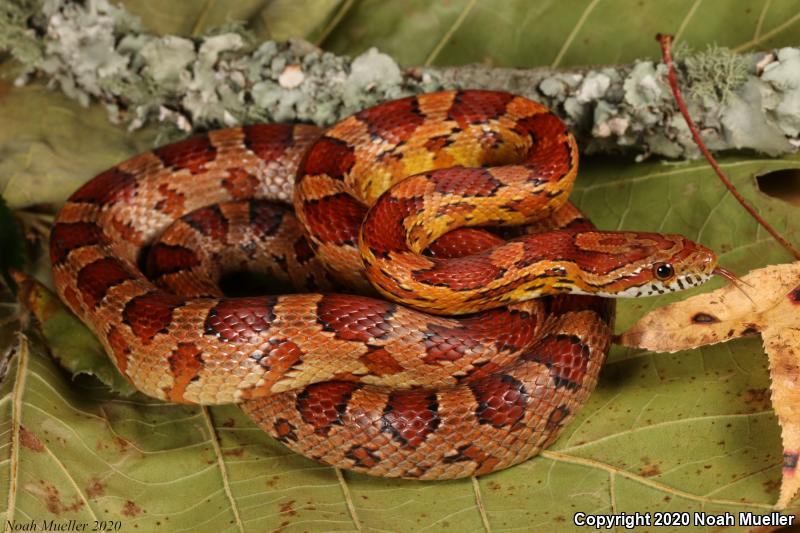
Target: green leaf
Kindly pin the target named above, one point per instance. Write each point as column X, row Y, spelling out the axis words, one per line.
column 513, row 33
column 71, row 343
column 519, row 33
column 49, row 145
column 190, row 17
column 270, row 19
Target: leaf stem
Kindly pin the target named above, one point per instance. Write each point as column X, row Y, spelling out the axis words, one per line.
column 666, row 51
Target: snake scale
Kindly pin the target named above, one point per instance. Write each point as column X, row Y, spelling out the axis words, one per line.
column 388, row 381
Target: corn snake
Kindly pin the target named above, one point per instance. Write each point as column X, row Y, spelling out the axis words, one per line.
column 352, row 380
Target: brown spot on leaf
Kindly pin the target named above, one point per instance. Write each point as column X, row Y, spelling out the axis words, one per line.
column 30, row 441
column 750, row 329
column 649, row 469
column 131, row 509
column 794, row 296
column 704, row 318
column 50, row 496
column 789, row 461
column 771, row 486
column 288, row 508
column 96, row 489
column 235, row 452
column 123, row 445
column 757, row 399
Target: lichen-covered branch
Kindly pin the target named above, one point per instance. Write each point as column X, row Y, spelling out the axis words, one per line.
column 97, row 51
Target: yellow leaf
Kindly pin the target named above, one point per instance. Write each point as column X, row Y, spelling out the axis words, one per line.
column 767, row 302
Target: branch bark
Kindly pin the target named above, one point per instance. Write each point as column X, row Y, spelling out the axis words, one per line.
column 223, row 80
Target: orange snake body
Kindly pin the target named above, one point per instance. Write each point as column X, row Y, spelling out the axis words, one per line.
column 357, row 381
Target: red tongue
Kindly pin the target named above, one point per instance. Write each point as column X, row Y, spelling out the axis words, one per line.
column 727, row 274
column 734, row 279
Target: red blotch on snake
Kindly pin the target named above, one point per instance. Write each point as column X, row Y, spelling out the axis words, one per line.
column 107, row 188
column 169, row 258
column 186, row 363
column 355, row 318
column 150, row 314
column 328, row 156
column 471, row 107
column 323, row 404
column 192, row 154
column 95, row 279
column 501, row 400
column 566, row 356
column 335, row 219
column 410, row 416
column 241, row 319
column 68, row 236
column 395, row 121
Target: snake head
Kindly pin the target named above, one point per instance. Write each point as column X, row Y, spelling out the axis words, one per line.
column 692, row 265
column 645, row 264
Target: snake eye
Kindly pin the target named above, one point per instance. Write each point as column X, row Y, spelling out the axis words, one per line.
column 663, row 271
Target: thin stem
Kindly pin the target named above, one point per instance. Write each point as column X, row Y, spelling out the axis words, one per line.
column 666, row 45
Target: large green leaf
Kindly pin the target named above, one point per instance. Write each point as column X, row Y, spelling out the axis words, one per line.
column 684, row 432
column 516, row 33
column 688, row 431
column 520, row 33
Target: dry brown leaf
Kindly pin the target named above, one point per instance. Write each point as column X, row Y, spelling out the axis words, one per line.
column 771, row 307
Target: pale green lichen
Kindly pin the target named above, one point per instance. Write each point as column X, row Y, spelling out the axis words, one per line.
column 15, row 34
column 645, row 85
column 784, row 75
column 746, row 125
column 594, row 87
column 715, row 73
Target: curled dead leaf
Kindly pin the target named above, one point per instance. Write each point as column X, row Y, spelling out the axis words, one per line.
column 767, row 302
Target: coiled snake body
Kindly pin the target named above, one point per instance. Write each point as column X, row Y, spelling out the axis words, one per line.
column 357, row 381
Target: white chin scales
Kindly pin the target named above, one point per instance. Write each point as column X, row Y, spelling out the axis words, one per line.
column 655, row 288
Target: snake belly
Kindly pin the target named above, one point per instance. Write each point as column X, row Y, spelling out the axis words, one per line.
column 351, row 380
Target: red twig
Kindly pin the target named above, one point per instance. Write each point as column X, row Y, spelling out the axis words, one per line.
column 666, row 44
